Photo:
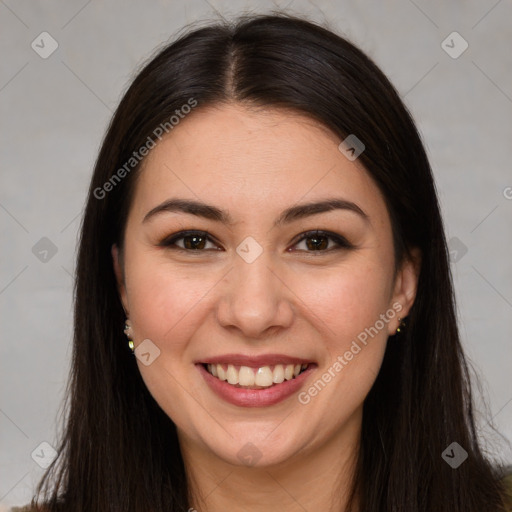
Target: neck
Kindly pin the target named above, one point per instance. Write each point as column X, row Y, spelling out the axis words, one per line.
column 318, row 477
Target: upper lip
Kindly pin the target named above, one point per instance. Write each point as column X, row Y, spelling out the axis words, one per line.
column 254, row 361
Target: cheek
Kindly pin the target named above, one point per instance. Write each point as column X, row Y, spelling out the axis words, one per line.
column 348, row 305
column 164, row 307
column 162, row 300
column 347, row 300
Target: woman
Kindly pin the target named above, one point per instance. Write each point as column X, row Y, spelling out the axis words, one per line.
column 262, row 224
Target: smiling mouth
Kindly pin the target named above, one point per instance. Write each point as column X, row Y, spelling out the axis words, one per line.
column 249, row 377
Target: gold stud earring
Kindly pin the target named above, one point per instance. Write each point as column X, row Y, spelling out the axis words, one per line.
column 128, row 333
column 401, row 325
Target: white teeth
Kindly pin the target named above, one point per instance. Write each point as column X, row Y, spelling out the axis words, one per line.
column 278, row 374
column 232, row 374
column 263, row 377
column 288, row 372
column 221, row 373
column 246, row 376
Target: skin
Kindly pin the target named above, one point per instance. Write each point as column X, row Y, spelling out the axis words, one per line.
column 291, row 300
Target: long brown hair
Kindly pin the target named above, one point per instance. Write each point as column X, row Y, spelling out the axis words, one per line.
column 119, row 451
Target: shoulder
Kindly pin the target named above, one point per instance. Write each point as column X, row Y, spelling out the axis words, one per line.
column 507, row 484
column 26, row 508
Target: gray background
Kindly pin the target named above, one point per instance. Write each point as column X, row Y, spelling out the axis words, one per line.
column 55, row 110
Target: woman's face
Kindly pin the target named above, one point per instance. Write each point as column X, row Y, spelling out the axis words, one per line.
column 257, row 294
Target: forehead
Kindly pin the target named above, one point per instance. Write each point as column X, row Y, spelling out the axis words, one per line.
column 252, row 160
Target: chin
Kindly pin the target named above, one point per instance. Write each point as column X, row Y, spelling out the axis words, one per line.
column 254, row 447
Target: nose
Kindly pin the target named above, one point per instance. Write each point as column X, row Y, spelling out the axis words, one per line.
column 255, row 299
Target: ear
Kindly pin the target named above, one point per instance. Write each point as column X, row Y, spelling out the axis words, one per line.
column 118, row 271
column 406, row 285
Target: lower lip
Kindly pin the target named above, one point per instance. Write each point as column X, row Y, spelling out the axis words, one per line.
column 255, row 397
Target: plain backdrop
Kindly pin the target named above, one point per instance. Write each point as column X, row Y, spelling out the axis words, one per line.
column 54, row 111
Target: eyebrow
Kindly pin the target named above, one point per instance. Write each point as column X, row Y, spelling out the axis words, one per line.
column 289, row 215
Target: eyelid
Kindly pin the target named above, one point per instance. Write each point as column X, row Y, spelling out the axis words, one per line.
column 340, row 241
column 171, row 240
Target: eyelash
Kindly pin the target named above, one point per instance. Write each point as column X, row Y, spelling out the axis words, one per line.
column 170, row 242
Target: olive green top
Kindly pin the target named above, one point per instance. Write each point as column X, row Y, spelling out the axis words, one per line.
column 507, row 480
column 508, row 487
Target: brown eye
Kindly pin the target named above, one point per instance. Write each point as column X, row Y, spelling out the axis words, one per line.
column 314, row 241
column 318, row 241
column 192, row 241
